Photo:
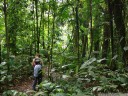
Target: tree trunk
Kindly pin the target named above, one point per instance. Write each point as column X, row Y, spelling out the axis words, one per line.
column 34, row 39
column 91, row 33
column 7, row 34
column 43, row 43
column 106, row 36
column 113, row 42
column 53, row 31
column 37, row 27
column 96, row 48
column 0, row 53
column 48, row 40
column 48, row 26
column 77, row 29
column 120, row 27
column 84, row 42
column 40, row 27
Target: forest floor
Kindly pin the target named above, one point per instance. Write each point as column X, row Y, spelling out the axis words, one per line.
column 23, row 85
column 26, row 85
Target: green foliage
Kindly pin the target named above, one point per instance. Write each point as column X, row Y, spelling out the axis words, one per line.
column 63, row 89
column 4, row 76
column 64, row 12
column 88, row 62
column 20, row 64
column 13, row 93
column 101, row 78
column 61, row 23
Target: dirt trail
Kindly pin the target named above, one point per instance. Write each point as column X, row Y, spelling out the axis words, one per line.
column 23, row 86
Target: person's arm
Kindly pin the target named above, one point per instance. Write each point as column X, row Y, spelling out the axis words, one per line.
column 33, row 62
column 36, row 71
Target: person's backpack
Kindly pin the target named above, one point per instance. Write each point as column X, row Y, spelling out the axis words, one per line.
column 40, row 73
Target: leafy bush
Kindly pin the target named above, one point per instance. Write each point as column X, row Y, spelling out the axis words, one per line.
column 13, row 93
column 99, row 78
column 19, row 67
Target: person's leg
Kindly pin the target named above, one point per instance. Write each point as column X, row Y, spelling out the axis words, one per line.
column 39, row 80
column 34, row 84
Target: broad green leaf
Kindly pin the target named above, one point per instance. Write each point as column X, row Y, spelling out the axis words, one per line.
column 104, row 79
column 100, row 60
column 123, row 85
column 122, row 80
column 115, row 57
column 84, row 29
column 126, row 48
column 30, row 91
column 9, row 77
column 88, row 62
column 97, row 88
column 114, row 86
column 68, row 66
column 65, row 76
column 58, row 90
column 92, row 73
column 15, row 93
column 2, row 64
column 39, row 93
column 2, row 79
column 3, row 72
column 59, row 94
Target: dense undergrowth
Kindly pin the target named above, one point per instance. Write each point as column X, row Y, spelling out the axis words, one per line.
column 91, row 78
column 19, row 68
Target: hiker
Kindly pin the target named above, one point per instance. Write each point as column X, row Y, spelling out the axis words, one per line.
column 37, row 73
column 37, row 56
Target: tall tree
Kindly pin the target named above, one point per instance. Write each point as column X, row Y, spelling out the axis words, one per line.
column 113, row 44
column 53, row 29
column 106, row 34
column 84, row 24
column 48, row 32
column 6, row 32
column 91, row 33
column 13, row 18
column 84, row 39
column 0, row 53
column 97, row 31
column 118, row 12
column 77, row 28
column 43, row 23
column 37, row 26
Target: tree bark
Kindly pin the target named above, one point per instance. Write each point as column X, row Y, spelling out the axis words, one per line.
column 34, row 39
column 96, row 48
column 48, row 27
column 113, row 42
column 53, row 31
column 7, row 34
column 106, row 36
column 120, row 27
column 77, row 29
column 37, row 27
column 48, row 47
column 84, row 43
column 43, row 43
column 0, row 53
column 91, row 33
